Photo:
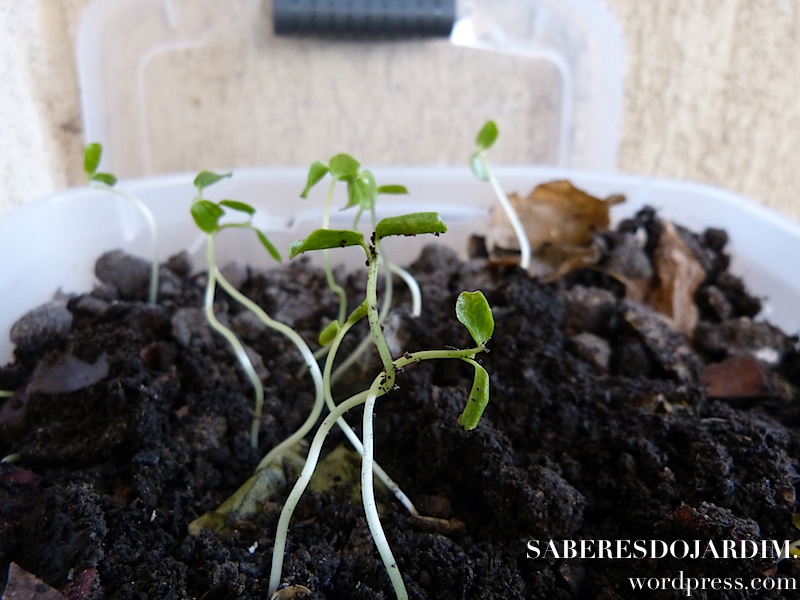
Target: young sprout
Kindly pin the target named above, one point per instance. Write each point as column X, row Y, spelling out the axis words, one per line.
column 471, row 309
column 480, row 168
column 362, row 192
column 92, row 155
column 207, row 216
column 254, row 491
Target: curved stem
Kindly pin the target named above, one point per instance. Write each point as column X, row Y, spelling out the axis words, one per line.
column 416, row 310
column 516, row 224
column 413, row 287
column 151, row 225
column 279, row 548
column 364, row 344
column 368, row 495
column 316, row 375
column 335, row 287
column 373, row 316
column 388, row 286
column 238, row 348
column 281, row 534
column 348, row 431
column 416, row 357
column 326, row 258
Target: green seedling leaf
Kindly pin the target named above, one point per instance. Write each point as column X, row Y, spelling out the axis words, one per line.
column 273, row 251
column 91, row 158
column 362, row 190
column 478, row 398
column 205, row 179
column 327, row 335
column 474, row 312
column 325, row 239
column 392, row 189
column 240, row 206
column 316, row 172
column 477, row 163
column 410, row 224
column 359, row 313
column 343, row 166
column 106, row 178
column 207, row 214
column 484, row 140
column 486, row 136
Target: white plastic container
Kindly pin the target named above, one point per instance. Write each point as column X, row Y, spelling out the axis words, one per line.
column 165, row 82
column 74, row 227
column 172, row 86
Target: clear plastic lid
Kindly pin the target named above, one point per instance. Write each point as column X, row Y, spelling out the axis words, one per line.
column 179, row 85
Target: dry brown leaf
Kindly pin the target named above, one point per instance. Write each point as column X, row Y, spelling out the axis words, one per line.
column 553, row 213
column 560, row 221
column 553, row 261
column 678, row 275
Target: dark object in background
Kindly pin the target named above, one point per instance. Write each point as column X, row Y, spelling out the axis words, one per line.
column 384, row 18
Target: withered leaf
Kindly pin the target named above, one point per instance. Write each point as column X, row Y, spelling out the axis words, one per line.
column 678, row 275
column 555, row 212
column 560, row 221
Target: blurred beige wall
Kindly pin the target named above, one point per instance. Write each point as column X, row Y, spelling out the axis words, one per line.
column 710, row 96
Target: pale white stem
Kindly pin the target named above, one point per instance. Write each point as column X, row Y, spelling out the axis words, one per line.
column 413, row 287
column 316, row 375
column 351, row 358
column 368, row 496
column 279, row 548
column 322, row 396
column 348, row 431
column 238, row 348
column 335, row 287
column 151, row 225
column 416, row 310
column 516, row 225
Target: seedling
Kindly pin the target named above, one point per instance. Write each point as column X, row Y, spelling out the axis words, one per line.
column 471, row 309
column 480, row 168
column 207, row 215
column 362, row 192
column 92, row 154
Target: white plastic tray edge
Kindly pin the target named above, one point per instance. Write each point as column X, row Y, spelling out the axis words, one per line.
column 52, row 243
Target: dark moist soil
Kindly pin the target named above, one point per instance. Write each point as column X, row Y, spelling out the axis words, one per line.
column 129, row 421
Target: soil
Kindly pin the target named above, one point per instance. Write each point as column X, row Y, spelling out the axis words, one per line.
column 130, row 420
